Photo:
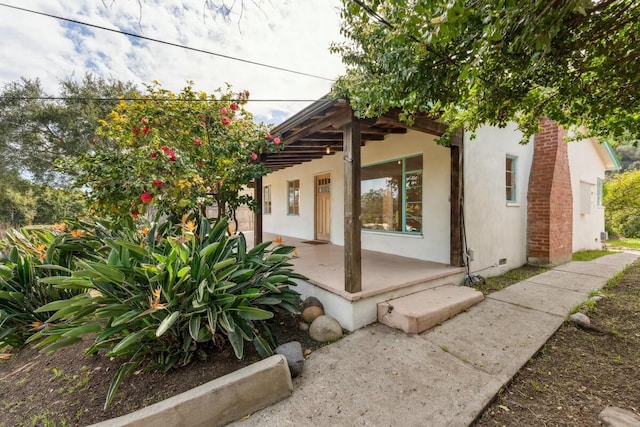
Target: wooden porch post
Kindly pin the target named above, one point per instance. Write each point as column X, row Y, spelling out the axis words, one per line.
column 457, row 187
column 352, row 243
column 257, row 215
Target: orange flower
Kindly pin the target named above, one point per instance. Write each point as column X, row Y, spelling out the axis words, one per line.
column 61, row 227
column 184, row 219
column 144, row 231
column 77, row 233
column 277, row 240
column 190, row 226
column 154, row 301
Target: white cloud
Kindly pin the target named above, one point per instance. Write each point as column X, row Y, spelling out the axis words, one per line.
column 288, row 34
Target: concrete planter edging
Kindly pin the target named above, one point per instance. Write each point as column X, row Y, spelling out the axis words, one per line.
column 217, row 402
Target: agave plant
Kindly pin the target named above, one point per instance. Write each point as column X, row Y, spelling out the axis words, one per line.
column 173, row 294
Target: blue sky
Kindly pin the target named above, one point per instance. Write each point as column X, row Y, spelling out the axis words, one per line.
column 293, row 34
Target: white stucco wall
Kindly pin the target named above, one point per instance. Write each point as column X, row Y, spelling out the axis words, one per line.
column 496, row 230
column 432, row 245
column 586, row 165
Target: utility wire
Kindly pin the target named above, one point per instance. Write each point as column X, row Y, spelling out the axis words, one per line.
column 246, row 61
column 72, row 98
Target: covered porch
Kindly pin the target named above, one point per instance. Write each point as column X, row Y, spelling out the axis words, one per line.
column 348, row 280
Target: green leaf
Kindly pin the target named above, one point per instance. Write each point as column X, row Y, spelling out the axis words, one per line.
column 81, row 330
column 253, row 313
column 167, row 322
column 126, row 342
column 212, row 318
column 236, row 342
column 225, row 263
column 124, row 370
column 60, row 343
column 194, row 327
column 262, row 347
column 57, row 305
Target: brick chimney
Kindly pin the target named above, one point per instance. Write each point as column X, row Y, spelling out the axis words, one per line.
column 549, row 201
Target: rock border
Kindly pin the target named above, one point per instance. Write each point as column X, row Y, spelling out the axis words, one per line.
column 217, row 402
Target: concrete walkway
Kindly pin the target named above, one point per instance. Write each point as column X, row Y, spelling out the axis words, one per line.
column 445, row 376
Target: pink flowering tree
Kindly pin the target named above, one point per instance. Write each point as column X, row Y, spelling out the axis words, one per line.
column 177, row 152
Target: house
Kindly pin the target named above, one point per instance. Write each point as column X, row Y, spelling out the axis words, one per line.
column 380, row 212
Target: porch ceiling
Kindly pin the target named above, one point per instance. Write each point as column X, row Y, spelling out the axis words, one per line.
column 317, row 131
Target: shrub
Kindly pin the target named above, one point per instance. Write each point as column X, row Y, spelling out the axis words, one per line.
column 26, row 256
column 178, row 291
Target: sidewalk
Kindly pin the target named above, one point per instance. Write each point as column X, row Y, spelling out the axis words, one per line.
column 446, row 376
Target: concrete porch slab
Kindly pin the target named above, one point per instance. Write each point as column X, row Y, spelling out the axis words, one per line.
column 423, row 310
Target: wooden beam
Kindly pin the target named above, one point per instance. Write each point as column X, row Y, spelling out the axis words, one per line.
column 421, row 123
column 352, row 242
column 457, row 188
column 257, row 215
column 337, row 116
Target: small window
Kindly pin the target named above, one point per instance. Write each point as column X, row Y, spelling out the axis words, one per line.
column 511, row 179
column 600, row 184
column 293, row 197
column 266, row 200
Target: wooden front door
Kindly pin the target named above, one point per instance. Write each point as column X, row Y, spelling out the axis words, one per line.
column 323, row 207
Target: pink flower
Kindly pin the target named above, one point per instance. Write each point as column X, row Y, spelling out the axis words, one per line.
column 157, row 183
column 276, row 140
column 219, row 183
column 200, row 163
column 146, row 197
column 135, row 212
column 268, row 136
column 172, row 156
column 144, row 121
column 233, row 107
column 146, row 130
column 135, row 131
column 225, row 121
column 254, row 156
column 196, row 142
column 165, row 148
column 153, row 155
column 224, row 111
column 203, row 124
column 246, row 94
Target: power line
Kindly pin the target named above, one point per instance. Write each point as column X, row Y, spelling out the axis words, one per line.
column 246, row 61
column 107, row 99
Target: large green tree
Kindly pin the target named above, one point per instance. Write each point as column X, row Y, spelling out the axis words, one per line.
column 36, row 129
column 492, row 61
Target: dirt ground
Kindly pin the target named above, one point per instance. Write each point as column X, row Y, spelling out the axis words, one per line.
column 69, row 389
column 579, row 372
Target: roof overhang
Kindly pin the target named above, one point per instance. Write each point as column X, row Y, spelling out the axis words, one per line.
column 606, row 153
column 317, row 131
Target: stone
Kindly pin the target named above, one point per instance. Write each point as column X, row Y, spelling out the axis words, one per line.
column 325, row 329
column 580, row 319
column 307, row 352
column 612, row 416
column 304, row 326
column 312, row 302
column 292, row 351
column 311, row 313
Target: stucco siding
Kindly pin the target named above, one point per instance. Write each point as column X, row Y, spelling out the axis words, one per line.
column 496, row 230
column 431, row 245
column 588, row 218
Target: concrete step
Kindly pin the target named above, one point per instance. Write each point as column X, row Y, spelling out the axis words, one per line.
column 423, row 310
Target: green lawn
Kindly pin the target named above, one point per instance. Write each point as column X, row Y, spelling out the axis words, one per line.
column 624, row 243
column 589, row 255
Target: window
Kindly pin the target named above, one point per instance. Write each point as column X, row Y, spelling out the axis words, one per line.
column 392, row 196
column 511, row 179
column 587, row 194
column 266, row 200
column 293, row 196
column 600, row 184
